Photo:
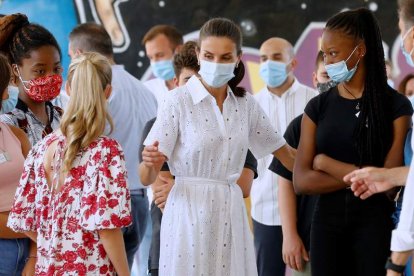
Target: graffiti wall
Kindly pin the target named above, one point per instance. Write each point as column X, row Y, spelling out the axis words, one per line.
column 300, row 22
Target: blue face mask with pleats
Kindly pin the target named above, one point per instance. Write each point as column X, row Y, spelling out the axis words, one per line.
column 216, row 74
column 273, row 73
column 408, row 57
column 163, row 69
column 9, row 104
column 339, row 72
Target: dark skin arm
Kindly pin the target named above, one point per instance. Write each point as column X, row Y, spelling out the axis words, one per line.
column 303, row 172
column 335, row 169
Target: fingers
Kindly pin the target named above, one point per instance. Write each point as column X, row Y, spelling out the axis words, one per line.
column 305, row 254
column 299, row 262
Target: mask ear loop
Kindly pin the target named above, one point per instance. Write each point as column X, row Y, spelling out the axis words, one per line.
column 20, row 77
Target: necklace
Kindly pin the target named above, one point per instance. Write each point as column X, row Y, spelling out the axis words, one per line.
column 357, row 106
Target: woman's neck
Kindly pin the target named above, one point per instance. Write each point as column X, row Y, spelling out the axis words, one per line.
column 219, row 93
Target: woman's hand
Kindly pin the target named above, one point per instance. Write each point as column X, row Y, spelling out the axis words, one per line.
column 152, row 158
column 162, row 191
column 369, row 181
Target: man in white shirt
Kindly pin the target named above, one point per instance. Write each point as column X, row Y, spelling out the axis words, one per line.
column 283, row 99
column 131, row 105
column 161, row 42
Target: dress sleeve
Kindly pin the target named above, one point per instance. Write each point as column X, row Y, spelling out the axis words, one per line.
column 263, row 138
column 22, row 216
column 166, row 127
column 106, row 204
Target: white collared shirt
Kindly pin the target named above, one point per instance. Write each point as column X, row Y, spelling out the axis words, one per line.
column 131, row 106
column 158, row 87
column 201, row 141
column 403, row 237
column 281, row 111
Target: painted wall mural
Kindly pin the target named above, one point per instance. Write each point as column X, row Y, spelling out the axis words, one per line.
column 300, row 22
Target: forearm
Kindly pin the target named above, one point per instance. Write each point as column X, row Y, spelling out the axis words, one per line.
column 287, row 206
column 400, row 258
column 113, row 243
column 335, row 168
column 286, row 155
column 31, row 235
column 5, row 232
column 245, row 181
column 398, row 175
column 147, row 174
column 311, row 182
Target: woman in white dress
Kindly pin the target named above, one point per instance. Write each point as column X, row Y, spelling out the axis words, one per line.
column 204, row 130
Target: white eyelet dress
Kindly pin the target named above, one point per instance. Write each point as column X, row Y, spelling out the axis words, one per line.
column 204, row 229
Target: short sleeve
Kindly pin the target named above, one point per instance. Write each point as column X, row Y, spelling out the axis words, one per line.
column 166, row 127
column 263, row 138
column 402, row 106
column 312, row 109
column 22, row 216
column 292, row 136
column 106, row 204
column 251, row 163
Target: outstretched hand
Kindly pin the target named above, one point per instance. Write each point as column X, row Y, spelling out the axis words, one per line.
column 369, row 181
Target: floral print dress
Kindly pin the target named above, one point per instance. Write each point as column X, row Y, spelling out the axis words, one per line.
column 94, row 196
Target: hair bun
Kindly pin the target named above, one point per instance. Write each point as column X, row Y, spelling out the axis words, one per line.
column 9, row 25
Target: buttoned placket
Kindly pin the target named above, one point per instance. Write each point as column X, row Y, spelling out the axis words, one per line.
column 223, row 130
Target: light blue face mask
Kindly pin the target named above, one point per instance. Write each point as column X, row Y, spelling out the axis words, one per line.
column 216, row 74
column 339, row 72
column 9, row 104
column 163, row 69
column 273, row 73
column 407, row 55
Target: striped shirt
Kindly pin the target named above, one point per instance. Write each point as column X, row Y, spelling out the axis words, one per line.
column 281, row 111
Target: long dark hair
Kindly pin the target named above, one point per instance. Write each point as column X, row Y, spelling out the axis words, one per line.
column 223, row 27
column 374, row 131
column 18, row 37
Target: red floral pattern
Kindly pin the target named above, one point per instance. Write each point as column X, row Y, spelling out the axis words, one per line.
column 94, row 196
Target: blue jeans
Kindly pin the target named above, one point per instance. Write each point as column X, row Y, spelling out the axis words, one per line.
column 13, row 255
column 134, row 233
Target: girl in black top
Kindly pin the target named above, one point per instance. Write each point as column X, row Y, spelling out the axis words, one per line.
column 360, row 122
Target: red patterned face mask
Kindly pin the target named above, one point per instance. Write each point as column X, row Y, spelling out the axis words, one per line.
column 43, row 89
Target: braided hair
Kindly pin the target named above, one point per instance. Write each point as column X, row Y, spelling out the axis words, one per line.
column 18, row 37
column 373, row 135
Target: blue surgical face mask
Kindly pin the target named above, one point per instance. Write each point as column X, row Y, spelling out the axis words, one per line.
column 9, row 104
column 163, row 69
column 339, row 72
column 407, row 55
column 216, row 74
column 273, row 73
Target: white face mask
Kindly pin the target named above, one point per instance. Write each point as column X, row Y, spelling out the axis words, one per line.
column 216, row 74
